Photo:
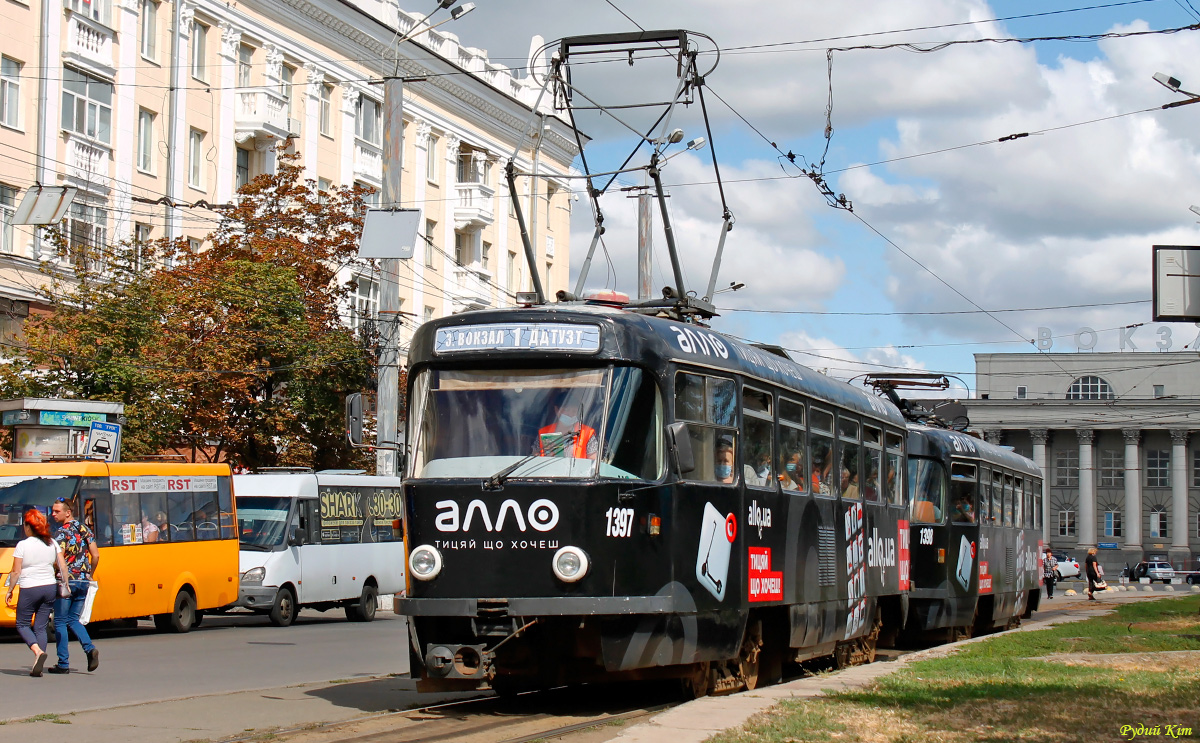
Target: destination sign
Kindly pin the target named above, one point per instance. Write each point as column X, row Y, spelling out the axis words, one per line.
column 518, row 337
column 157, row 484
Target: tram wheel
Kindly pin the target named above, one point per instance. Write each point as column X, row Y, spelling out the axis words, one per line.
column 698, row 681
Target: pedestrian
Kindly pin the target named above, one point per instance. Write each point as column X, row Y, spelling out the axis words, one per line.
column 1049, row 576
column 82, row 557
column 1092, row 567
column 34, row 561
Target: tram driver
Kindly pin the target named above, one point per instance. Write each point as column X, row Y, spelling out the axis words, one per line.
column 567, row 435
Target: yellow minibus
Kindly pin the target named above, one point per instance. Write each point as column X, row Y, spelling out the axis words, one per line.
column 167, row 533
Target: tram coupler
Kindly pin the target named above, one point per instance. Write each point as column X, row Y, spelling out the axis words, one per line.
column 471, row 662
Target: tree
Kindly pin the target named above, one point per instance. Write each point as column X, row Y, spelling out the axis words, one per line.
column 235, row 353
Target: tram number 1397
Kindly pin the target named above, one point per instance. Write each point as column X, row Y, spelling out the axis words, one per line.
column 620, row 522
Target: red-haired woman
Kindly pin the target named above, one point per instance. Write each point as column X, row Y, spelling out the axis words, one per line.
column 34, row 561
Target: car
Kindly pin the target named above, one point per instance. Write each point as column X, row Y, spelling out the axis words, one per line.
column 1154, row 571
column 1068, row 567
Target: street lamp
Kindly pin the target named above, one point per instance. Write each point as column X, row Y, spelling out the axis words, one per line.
column 388, row 371
column 1173, row 85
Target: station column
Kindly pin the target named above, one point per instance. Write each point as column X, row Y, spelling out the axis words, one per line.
column 1039, row 436
column 1087, row 490
column 1133, row 495
column 1180, row 554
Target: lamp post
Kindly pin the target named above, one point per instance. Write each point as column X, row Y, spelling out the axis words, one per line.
column 1172, row 85
column 388, row 371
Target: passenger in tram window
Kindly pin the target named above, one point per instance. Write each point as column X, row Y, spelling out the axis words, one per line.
column 762, row 468
column 964, row 513
column 567, row 435
column 849, row 486
column 869, row 491
column 822, row 465
column 723, row 460
column 793, row 472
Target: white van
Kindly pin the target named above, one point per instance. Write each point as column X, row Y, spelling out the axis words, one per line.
column 318, row 540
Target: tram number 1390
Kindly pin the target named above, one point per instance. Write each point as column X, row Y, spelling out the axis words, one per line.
column 620, row 522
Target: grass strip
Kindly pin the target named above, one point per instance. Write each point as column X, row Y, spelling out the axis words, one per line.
column 1130, row 675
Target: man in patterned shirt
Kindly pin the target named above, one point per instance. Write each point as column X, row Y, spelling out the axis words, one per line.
column 82, row 557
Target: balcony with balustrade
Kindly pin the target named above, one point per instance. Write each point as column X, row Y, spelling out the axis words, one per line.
column 469, row 289
column 368, row 161
column 473, row 207
column 87, row 163
column 89, row 44
column 260, row 114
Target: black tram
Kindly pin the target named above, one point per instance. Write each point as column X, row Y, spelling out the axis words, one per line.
column 594, row 493
column 975, row 535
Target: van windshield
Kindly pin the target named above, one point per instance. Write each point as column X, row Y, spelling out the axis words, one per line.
column 262, row 521
column 19, row 493
column 554, row 423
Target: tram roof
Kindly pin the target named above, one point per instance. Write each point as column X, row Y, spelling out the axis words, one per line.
column 944, row 444
column 503, row 336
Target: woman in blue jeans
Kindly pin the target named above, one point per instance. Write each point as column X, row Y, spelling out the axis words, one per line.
column 81, row 556
column 34, row 561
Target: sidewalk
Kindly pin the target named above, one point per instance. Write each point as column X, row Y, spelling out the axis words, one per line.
column 699, row 720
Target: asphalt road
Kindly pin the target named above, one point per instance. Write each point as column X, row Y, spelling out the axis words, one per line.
column 225, row 654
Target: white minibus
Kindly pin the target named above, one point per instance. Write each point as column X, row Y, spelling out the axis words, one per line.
column 318, row 540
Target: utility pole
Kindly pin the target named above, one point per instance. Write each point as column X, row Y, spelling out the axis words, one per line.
column 645, row 262
column 387, row 374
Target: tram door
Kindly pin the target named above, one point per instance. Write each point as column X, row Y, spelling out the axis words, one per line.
column 765, row 514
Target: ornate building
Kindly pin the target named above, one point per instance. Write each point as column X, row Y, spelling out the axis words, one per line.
column 156, row 109
column 1118, row 437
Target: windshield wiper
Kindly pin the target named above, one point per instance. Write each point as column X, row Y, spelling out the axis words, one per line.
column 255, row 546
column 496, row 481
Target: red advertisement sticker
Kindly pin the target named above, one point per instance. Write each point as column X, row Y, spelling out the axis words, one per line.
column 985, row 578
column 764, row 584
column 902, row 536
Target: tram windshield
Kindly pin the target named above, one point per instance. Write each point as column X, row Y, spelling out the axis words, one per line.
column 565, row 423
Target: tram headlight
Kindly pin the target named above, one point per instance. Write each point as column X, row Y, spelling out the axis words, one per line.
column 425, row 562
column 570, row 564
column 254, row 575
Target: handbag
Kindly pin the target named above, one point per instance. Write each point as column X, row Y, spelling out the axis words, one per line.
column 1100, row 586
column 85, row 614
column 64, row 589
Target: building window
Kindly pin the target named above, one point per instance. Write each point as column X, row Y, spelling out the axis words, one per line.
column 430, row 229
column 245, row 60
column 1066, row 468
column 141, row 237
column 485, row 250
column 1090, row 388
column 370, row 195
column 1066, row 523
column 510, row 272
column 87, row 105
column 366, row 301
column 1158, row 522
column 97, row 10
column 1112, row 523
column 1112, row 468
column 287, row 76
column 1160, row 390
column 145, row 151
column 428, row 314
column 368, row 120
column 468, row 168
column 195, row 158
column 149, row 40
column 242, row 174
column 199, row 49
column 1196, row 469
column 431, row 168
column 462, row 249
column 1158, row 468
column 87, row 227
column 10, row 92
column 327, row 109
column 549, row 246
column 1022, row 392
column 8, row 209
column 550, row 192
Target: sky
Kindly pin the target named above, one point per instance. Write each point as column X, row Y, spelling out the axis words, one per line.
column 946, row 219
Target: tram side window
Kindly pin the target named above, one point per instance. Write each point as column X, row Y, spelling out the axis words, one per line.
column 984, row 501
column 872, row 463
column 962, row 492
column 793, row 465
column 927, row 482
column 849, row 459
column 757, row 443
column 997, row 498
column 708, row 404
column 1019, row 502
column 633, row 443
column 1037, row 504
column 179, row 514
column 1008, row 500
column 894, row 479
column 821, row 441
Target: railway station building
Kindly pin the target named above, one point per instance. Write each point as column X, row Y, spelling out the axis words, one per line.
column 155, row 109
column 1118, row 438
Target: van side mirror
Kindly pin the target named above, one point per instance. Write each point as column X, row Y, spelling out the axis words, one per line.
column 680, row 443
column 295, row 536
column 354, row 418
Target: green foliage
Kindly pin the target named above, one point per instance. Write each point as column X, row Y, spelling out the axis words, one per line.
column 236, row 353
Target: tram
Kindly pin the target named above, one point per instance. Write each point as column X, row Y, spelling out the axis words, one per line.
column 596, row 493
column 976, row 535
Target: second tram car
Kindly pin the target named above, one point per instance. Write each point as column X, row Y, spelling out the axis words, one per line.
column 595, row 493
column 976, row 534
